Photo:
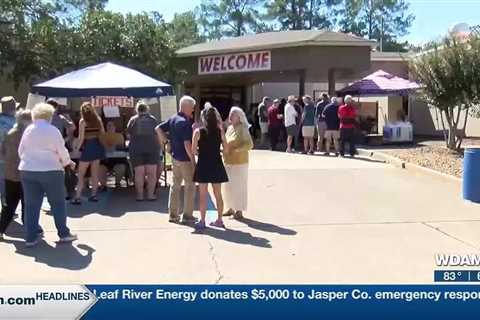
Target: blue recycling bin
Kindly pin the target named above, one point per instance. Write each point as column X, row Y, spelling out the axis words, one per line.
column 471, row 174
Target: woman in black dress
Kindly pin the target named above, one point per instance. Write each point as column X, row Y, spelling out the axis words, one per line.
column 209, row 167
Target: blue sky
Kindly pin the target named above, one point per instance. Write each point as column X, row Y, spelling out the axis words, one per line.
column 433, row 17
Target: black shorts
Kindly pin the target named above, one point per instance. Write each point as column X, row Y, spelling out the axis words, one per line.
column 144, row 158
column 110, row 163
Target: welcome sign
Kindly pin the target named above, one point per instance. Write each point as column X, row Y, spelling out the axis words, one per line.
column 235, row 62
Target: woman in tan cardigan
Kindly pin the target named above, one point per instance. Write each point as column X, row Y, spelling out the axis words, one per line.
column 239, row 144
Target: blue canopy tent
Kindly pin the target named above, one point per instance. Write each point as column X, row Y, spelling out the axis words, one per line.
column 104, row 79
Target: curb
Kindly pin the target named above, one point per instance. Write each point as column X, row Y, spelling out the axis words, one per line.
column 402, row 164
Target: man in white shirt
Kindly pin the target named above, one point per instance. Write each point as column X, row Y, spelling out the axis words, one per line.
column 290, row 121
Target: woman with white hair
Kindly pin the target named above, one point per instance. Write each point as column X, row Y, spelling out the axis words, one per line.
column 43, row 157
column 348, row 119
column 144, row 150
column 239, row 144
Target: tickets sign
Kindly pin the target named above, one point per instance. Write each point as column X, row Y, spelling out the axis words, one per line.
column 235, row 62
column 103, row 101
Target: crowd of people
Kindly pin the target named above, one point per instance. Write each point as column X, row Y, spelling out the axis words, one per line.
column 329, row 121
column 41, row 155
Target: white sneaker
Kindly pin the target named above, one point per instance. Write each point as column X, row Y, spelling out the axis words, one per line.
column 30, row 244
column 69, row 238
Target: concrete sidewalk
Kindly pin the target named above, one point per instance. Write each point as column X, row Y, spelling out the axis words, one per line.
column 312, row 219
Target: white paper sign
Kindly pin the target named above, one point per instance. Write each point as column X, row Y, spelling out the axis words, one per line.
column 168, row 107
column 34, row 99
column 111, row 112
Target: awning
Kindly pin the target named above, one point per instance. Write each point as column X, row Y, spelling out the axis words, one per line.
column 380, row 83
column 105, row 79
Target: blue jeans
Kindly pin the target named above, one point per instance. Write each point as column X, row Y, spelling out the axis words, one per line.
column 35, row 185
column 2, row 184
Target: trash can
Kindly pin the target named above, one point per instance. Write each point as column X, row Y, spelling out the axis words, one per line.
column 471, row 174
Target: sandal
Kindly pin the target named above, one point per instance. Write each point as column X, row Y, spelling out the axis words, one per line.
column 76, row 202
column 228, row 213
column 238, row 215
column 200, row 225
column 93, row 198
column 218, row 224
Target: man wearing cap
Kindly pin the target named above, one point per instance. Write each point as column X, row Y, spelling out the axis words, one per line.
column 7, row 121
column 60, row 121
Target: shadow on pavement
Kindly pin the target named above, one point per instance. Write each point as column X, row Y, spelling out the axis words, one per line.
column 117, row 202
column 15, row 230
column 364, row 159
column 235, row 236
column 62, row 256
column 267, row 227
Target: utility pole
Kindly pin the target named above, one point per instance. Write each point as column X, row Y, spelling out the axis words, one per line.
column 381, row 33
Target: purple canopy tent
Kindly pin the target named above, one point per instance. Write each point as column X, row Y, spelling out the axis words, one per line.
column 380, row 83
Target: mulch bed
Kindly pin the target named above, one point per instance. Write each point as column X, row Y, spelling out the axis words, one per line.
column 437, row 158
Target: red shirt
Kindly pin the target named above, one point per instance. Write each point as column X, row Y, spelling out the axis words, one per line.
column 347, row 115
column 273, row 120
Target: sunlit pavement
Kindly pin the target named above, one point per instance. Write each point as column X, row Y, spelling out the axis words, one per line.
column 312, row 219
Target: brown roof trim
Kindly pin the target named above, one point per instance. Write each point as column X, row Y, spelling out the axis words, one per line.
column 290, row 39
column 257, row 48
column 390, row 56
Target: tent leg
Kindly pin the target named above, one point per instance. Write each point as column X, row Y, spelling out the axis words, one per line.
column 164, row 153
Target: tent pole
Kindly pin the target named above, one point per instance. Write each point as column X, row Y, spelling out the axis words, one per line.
column 164, row 149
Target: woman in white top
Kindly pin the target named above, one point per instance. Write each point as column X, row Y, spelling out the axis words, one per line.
column 43, row 157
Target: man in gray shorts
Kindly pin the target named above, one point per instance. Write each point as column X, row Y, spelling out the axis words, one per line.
column 263, row 118
column 290, row 121
column 320, row 120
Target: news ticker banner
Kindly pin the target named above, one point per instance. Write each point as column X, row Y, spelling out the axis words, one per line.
column 240, row 302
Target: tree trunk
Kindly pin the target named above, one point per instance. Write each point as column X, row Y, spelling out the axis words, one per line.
column 312, row 9
column 294, row 15
column 445, row 138
column 460, row 140
column 451, row 143
column 370, row 20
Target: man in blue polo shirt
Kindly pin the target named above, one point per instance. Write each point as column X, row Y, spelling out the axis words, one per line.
column 177, row 133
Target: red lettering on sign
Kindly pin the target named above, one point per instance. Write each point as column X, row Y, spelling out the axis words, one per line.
column 206, row 64
column 235, row 62
column 216, row 64
column 224, row 66
column 231, row 65
column 241, row 62
column 253, row 60
column 265, row 59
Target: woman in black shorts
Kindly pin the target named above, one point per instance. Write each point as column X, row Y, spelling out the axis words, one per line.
column 144, row 151
column 209, row 168
column 90, row 129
